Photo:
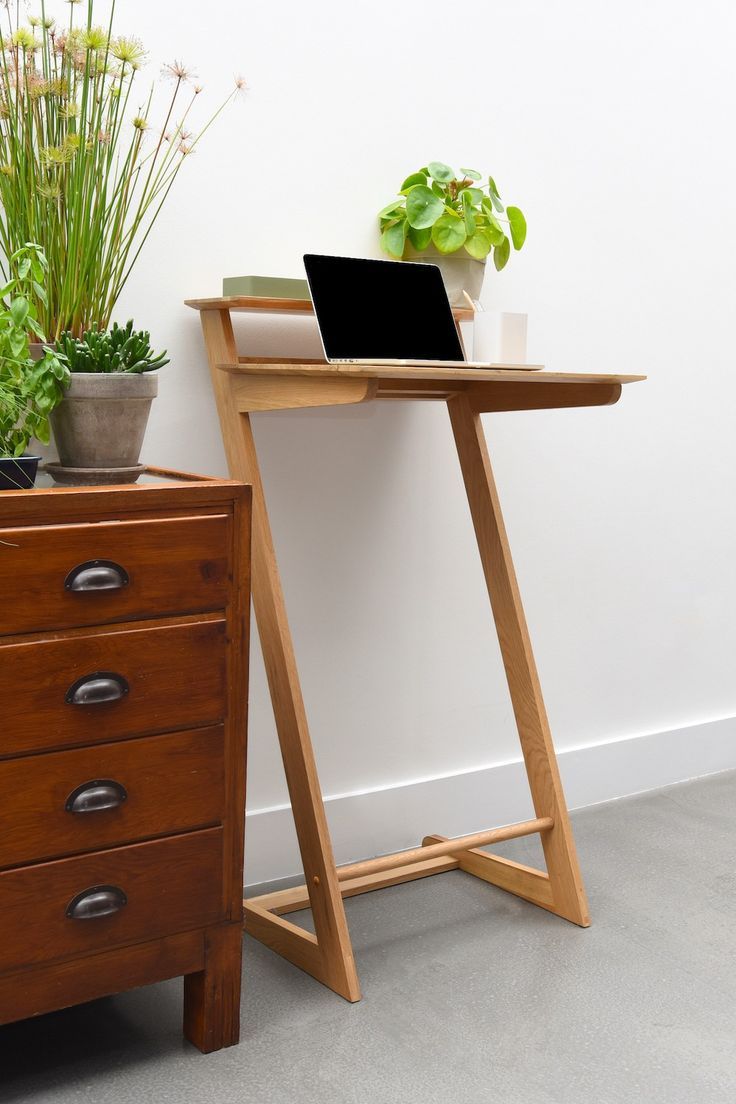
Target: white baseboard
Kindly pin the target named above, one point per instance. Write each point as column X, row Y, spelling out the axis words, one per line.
column 379, row 821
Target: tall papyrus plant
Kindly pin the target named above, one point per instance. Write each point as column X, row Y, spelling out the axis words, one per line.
column 83, row 170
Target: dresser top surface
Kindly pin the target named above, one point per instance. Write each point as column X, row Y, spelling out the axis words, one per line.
column 150, row 477
column 156, row 489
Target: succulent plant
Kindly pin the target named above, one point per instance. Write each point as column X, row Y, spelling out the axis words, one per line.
column 120, row 349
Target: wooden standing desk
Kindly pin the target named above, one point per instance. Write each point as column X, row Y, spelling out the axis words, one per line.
column 244, row 385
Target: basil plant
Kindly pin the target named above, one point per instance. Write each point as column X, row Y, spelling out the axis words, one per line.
column 451, row 212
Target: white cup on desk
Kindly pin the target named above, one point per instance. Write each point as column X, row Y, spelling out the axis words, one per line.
column 499, row 337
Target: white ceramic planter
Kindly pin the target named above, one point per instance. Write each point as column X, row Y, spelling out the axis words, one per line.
column 101, row 421
column 460, row 272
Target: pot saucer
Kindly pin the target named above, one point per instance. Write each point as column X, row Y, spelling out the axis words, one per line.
column 93, row 477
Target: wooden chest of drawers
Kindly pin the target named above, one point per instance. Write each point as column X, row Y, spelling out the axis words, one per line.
column 123, row 689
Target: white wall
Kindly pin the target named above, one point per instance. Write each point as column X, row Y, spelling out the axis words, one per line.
column 611, row 125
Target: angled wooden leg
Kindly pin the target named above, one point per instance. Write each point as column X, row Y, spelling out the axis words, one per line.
column 565, row 882
column 329, row 957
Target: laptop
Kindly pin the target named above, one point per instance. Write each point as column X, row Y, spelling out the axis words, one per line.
column 386, row 312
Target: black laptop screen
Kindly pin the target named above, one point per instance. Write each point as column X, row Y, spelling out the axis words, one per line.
column 382, row 310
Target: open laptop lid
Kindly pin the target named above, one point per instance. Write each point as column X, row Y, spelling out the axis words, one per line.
column 383, row 310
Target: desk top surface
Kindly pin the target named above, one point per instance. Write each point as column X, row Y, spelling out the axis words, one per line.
column 260, row 366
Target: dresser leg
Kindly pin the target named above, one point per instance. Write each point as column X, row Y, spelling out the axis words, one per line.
column 212, row 997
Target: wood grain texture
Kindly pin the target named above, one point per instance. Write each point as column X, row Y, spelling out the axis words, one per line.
column 175, row 565
column 236, row 721
column 245, row 384
column 176, row 674
column 521, row 672
column 301, row 947
column 273, row 392
column 524, row 881
column 283, row 679
column 49, row 988
column 179, row 635
column 171, row 884
column 440, row 848
column 143, row 501
column 173, row 783
column 212, row 995
column 498, row 373
column 506, row 396
column 293, row 900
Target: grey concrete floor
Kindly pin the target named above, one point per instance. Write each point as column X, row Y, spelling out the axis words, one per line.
column 470, row 996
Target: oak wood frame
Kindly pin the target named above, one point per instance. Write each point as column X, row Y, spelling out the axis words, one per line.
column 243, row 385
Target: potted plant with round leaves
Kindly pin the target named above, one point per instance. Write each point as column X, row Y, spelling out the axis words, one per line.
column 454, row 221
column 100, row 424
column 30, row 387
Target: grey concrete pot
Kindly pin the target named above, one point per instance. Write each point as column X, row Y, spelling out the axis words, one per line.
column 101, row 421
column 459, row 271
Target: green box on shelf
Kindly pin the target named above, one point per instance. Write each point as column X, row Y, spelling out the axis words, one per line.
column 268, row 287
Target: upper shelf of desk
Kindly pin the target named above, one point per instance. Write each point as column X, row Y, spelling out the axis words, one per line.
column 281, row 306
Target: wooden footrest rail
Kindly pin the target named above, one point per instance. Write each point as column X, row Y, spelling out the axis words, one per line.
column 264, row 915
column 446, row 847
column 437, row 855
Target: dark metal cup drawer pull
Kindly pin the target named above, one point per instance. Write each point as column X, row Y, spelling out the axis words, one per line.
column 95, row 796
column 98, row 901
column 97, row 688
column 97, row 575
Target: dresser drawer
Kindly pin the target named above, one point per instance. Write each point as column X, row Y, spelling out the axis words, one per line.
column 159, row 677
column 157, row 888
column 61, row 576
column 99, row 797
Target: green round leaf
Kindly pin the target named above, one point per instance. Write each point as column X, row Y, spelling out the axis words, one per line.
column 391, row 209
column 501, row 254
column 494, row 226
column 474, row 194
column 495, row 232
column 495, row 197
column 517, row 224
column 449, row 233
column 393, row 238
column 420, row 239
column 423, row 207
column 415, row 178
column 472, row 174
column 468, row 214
column 439, row 171
column 479, row 245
